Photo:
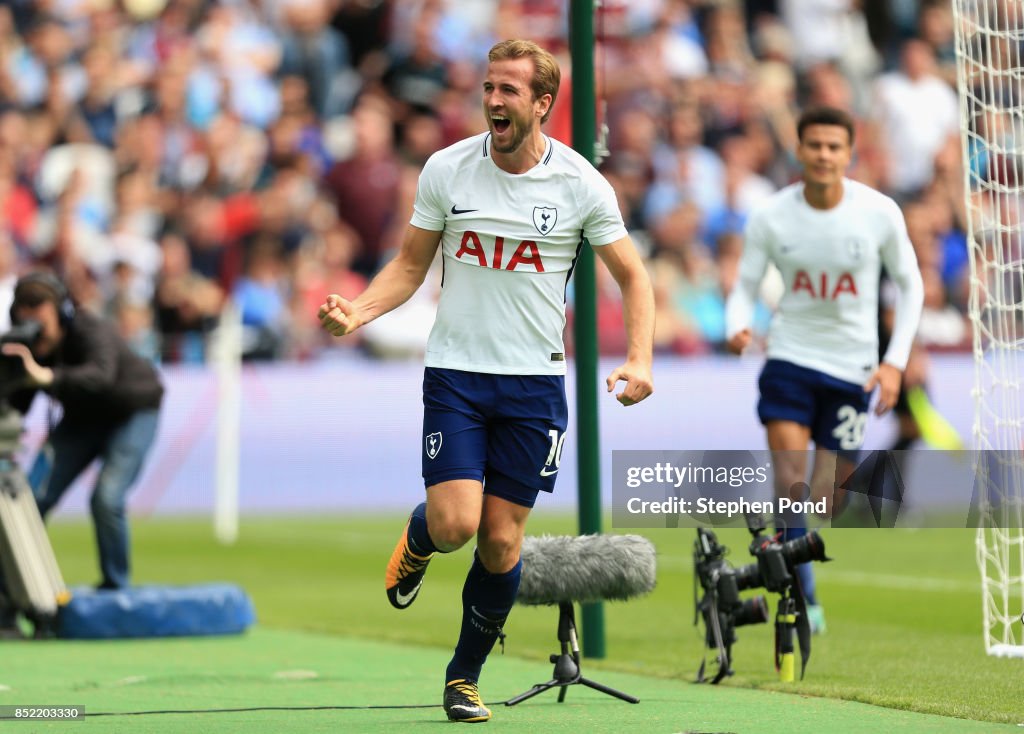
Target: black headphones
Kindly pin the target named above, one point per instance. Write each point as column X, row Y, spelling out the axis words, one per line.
column 62, row 299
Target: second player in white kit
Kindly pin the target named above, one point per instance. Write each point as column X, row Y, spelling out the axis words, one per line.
column 829, row 237
column 830, row 261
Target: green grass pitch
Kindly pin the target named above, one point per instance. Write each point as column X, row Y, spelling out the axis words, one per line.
column 903, row 633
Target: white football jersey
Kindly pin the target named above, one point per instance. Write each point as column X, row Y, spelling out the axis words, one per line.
column 830, row 261
column 509, row 244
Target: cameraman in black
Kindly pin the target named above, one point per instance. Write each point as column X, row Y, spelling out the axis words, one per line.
column 111, row 402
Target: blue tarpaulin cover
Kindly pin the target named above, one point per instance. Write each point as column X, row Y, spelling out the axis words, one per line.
column 156, row 611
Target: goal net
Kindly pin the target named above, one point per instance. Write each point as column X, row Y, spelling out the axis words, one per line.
column 990, row 66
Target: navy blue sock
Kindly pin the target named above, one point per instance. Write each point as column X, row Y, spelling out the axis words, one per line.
column 806, row 573
column 418, row 535
column 487, row 599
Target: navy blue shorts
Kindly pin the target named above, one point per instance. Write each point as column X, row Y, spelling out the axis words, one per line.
column 834, row 410
column 506, row 431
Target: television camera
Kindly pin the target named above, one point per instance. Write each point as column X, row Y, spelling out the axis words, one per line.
column 12, row 369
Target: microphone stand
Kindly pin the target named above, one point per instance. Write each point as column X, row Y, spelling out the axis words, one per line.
column 567, row 664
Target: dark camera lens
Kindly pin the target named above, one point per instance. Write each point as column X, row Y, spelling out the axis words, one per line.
column 12, row 369
column 810, row 547
column 751, row 611
column 24, row 333
column 748, row 577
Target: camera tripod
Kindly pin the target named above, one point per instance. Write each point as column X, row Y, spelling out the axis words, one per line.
column 567, row 664
column 28, row 567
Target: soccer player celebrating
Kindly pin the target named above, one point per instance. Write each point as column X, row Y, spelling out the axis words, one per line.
column 509, row 208
column 829, row 237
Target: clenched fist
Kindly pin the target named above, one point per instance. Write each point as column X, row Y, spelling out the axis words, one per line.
column 338, row 316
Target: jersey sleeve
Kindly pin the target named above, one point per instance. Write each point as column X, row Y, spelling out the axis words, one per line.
column 742, row 300
column 428, row 211
column 901, row 264
column 602, row 220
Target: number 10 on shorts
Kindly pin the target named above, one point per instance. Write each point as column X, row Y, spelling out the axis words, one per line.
column 555, row 454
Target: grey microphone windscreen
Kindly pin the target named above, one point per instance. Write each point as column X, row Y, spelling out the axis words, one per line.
column 585, row 568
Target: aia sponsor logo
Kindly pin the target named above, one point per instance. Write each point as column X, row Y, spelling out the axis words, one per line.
column 822, row 286
column 491, row 253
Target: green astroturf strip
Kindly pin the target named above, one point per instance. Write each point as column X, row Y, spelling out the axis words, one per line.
column 281, row 681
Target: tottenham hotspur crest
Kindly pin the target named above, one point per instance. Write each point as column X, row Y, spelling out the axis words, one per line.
column 544, row 218
column 433, row 445
column 855, row 246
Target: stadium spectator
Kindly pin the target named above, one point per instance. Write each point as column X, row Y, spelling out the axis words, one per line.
column 917, row 113
column 261, row 299
column 323, row 263
column 239, row 50
column 830, row 30
column 186, row 304
column 365, row 186
column 319, row 55
column 936, row 29
column 674, row 333
column 418, row 77
column 685, row 169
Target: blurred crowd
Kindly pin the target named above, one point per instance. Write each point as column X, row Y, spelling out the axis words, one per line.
column 177, row 160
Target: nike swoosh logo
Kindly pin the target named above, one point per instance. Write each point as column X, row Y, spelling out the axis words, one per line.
column 546, row 473
column 404, row 599
column 462, row 211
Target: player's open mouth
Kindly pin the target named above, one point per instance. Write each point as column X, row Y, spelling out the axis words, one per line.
column 501, row 124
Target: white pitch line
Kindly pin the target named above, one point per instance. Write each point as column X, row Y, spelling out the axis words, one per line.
column 131, row 680
column 295, row 675
column 895, row 581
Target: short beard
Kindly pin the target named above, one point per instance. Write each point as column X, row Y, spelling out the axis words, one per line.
column 515, row 144
column 510, row 148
